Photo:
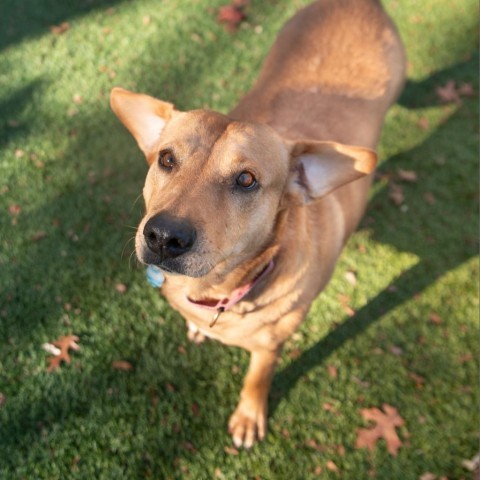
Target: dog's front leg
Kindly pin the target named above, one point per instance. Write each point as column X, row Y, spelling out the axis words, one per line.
column 249, row 421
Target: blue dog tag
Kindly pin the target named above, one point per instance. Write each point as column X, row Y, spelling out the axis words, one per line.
column 155, row 276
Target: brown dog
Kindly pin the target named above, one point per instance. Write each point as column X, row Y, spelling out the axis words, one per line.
column 247, row 213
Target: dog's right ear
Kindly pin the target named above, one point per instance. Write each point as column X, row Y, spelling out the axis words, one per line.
column 143, row 115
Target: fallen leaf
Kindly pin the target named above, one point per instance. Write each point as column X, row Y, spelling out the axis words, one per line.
column 120, row 288
column 231, row 450
column 418, row 379
column 429, row 198
column 351, row 277
column 465, row 358
column 396, row 194
column 318, row 470
column 435, row 318
column 64, row 343
column 189, row 447
column 122, row 365
column 344, row 299
column 328, row 407
column 312, row 443
column 427, row 476
column 331, row 466
column 466, row 90
column 473, row 464
column 38, row 235
column 332, row 371
column 232, row 15
column 396, row 350
column 15, row 209
column 146, row 20
column 77, row 99
column 423, row 123
column 448, row 93
column 407, row 175
column 3, row 399
column 386, row 422
column 59, row 29
column 19, row 153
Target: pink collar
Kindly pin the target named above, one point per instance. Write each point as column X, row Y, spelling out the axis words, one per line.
column 220, row 306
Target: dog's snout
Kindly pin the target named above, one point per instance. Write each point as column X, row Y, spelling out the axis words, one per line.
column 169, row 237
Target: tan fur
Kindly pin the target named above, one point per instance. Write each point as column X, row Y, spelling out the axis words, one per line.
column 327, row 83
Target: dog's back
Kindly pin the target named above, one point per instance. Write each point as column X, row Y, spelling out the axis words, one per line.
column 348, row 67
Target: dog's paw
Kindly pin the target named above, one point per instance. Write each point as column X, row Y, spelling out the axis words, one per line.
column 248, row 424
column 194, row 334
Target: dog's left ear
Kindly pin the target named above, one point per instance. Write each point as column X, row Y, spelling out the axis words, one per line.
column 320, row 167
column 143, row 115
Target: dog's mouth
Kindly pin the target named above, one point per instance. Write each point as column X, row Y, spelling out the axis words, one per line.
column 190, row 265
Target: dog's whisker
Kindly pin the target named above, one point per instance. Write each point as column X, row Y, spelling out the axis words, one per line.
column 126, row 245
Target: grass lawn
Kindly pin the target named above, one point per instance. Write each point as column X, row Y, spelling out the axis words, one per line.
column 400, row 328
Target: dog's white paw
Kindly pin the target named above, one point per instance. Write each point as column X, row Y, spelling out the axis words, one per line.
column 194, row 334
column 248, row 424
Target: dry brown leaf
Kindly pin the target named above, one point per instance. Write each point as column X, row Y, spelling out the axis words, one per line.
column 332, row 371
column 448, row 93
column 396, row 350
column 344, row 300
column 59, row 29
column 427, row 476
column 466, row 90
column 396, row 194
column 331, row 466
column 386, row 422
column 231, row 450
column 407, row 175
column 465, row 358
column 318, row 470
column 423, row 123
column 77, row 99
column 429, row 198
column 3, row 399
column 231, row 15
column 121, row 288
column 435, row 318
column 122, row 365
column 312, row 443
column 189, row 447
column 38, row 235
column 64, row 343
column 418, row 379
column 14, row 209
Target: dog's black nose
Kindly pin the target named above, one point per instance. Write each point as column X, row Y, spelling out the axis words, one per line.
column 169, row 237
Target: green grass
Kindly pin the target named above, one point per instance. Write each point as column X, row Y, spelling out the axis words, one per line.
column 76, row 174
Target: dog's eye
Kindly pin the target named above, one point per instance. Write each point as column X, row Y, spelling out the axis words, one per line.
column 166, row 159
column 246, row 180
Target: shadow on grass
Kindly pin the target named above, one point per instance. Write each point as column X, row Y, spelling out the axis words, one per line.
column 420, row 94
column 11, row 108
column 440, row 227
column 23, row 19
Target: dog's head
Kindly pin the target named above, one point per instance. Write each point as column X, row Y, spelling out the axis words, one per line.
column 216, row 186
